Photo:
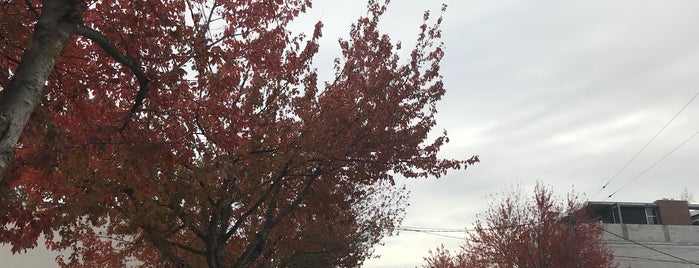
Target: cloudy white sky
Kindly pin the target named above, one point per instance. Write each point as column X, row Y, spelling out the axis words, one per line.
column 559, row 91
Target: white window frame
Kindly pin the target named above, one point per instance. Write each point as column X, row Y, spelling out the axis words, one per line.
column 651, row 218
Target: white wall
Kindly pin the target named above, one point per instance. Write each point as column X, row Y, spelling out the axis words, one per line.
column 678, row 240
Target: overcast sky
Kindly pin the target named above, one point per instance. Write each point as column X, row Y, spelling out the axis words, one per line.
column 565, row 92
column 559, row 91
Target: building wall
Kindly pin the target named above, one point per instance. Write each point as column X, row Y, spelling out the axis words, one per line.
column 673, row 212
column 678, row 240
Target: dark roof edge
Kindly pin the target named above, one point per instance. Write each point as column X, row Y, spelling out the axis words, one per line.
column 633, row 204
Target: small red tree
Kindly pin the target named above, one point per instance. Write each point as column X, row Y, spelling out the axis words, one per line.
column 442, row 258
column 541, row 232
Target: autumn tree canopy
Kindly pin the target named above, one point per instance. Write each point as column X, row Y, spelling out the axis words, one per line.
column 196, row 133
column 542, row 231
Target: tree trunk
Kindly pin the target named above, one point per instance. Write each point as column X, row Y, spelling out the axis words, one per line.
column 24, row 92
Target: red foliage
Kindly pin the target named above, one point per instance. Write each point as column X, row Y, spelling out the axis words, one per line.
column 542, row 232
column 442, row 258
column 196, row 133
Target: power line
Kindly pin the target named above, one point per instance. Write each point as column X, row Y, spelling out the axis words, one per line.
column 453, row 230
column 437, row 230
column 647, row 259
column 680, row 252
column 653, row 249
column 645, row 145
column 654, row 164
column 428, row 232
column 423, row 230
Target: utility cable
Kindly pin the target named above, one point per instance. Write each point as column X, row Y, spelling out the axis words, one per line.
column 453, row 230
column 645, row 145
column 437, row 230
column 421, row 230
column 653, row 165
column 647, row 259
column 428, row 232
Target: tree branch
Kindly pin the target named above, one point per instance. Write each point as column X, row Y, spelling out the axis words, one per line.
column 25, row 90
column 188, row 248
column 256, row 246
column 125, row 60
column 284, row 171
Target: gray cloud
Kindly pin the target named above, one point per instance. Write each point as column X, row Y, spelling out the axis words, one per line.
column 562, row 91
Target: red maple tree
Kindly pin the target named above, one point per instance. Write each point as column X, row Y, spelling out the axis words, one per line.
column 539, row 232
column 196, row 133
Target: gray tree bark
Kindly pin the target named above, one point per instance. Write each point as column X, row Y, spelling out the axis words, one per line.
column 57, row 24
